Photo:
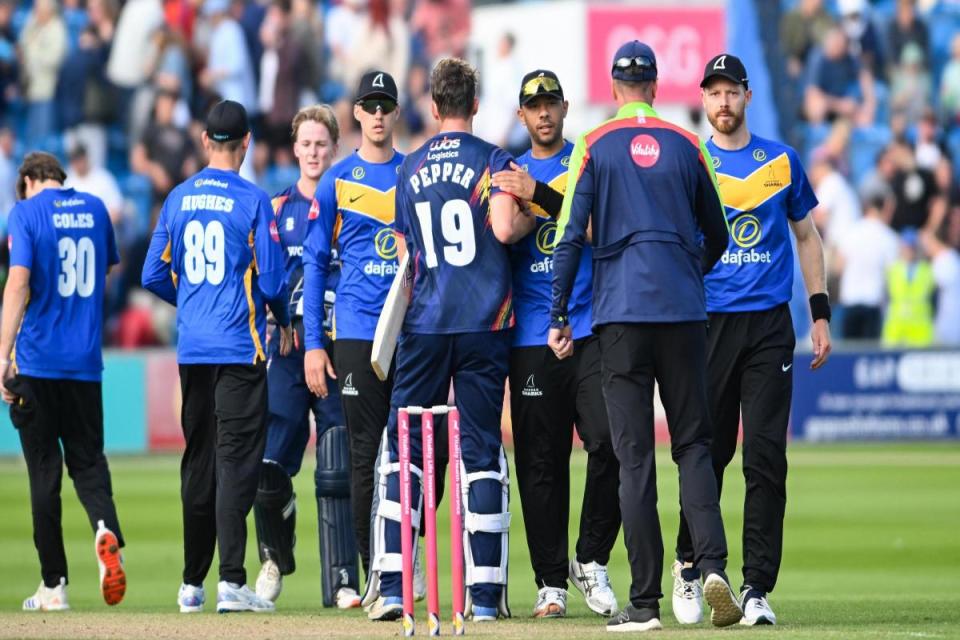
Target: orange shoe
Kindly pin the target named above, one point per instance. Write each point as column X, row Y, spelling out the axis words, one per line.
column 113, row 581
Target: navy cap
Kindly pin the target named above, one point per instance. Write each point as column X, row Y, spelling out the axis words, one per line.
column 377, row 83
column 634, row 62
column 727, row 66
column 227, row 121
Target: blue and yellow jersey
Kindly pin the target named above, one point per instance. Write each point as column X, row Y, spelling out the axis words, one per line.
column 65, row 238
column 356, row 200
column 216, row 255
column 532, row 260
column 762, row 186
column 462, row 275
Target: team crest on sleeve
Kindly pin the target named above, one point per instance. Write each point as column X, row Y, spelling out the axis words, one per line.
column 565, row 161
column 358, row 173
column 645, row 150
column 759, row 155
column 716, row 162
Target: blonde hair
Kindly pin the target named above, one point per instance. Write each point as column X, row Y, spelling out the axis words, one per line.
column 322, row 113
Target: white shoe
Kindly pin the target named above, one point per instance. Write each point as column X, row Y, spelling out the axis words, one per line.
column 269, row 581
column 551, row 603
column 347, row 598
column 687, row 597
column 47, row 599
column 725, row 610
column 233, row 597
column 592, row 581
column 756, row 610
column 419, row 575
column 191, row 598
column 113, row 580
column 385, row 608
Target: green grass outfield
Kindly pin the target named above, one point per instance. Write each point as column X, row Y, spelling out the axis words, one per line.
column 872, row 550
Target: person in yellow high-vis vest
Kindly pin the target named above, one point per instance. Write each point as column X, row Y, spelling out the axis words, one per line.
column 910, row 288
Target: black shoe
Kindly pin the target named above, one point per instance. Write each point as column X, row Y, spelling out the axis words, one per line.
column 631, row 618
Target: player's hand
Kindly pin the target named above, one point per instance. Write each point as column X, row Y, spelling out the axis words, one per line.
column 561, row 341
column 820, row 336
column 316, row 367
column 516, row 182
column 286, row 340
column 6, row 373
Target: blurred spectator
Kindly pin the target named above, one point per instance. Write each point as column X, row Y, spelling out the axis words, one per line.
column 839, row 85
column 864, row 255
column 85, row 101
column 169, row 55
column 907, row 28
column 499, row 113
column 910, row 84
column 127, row 66
column 910, row 288
column 8, row 58
column 282, row 75
column 179, row 15
column 229, row 71
column 928, row 152
column 950, row 85
column 838, row 207
column 383, row 44
column 345, row 22
column 83, row 175
column 946, row 274
column 165, row 154
column 800, row 29
column 306, row 25
column 862, row 38
column 8, row 178
column 913, row 189
column 415, row 115
column 444, row 26
column 43, row 46
column 75, row 19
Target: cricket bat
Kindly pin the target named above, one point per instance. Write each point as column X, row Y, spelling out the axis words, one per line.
column 391, row 320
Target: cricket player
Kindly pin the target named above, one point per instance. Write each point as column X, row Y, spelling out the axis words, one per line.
column 750, row 343
column 549, row 396
column 356, row 213
column 646, row 186
column 315, row 135
column 61, row 248
column 215, row 254
column 455, row 225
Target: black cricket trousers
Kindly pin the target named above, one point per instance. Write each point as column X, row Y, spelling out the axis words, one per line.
column 750, row 370
column 224, row 420
column 632, row 357
column 51, row 413
column 547, row 398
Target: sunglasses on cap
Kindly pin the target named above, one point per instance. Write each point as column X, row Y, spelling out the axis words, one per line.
column 533, row 86
column 634, row 65
column 371, row 106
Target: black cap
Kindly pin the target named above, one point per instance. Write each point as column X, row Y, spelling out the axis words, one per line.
column 227, row 121
column 377, row 84
column 726, row 66
column 540, row 82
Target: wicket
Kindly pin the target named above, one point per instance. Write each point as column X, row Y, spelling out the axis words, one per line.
column 430, row 517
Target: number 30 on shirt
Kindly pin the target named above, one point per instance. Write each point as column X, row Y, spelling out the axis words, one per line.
column 456, row 226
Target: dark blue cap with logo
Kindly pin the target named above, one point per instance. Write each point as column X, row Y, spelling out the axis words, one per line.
column 227, row 121
column 634, row 62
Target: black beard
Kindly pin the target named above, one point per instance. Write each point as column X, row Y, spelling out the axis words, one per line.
column 726, row 129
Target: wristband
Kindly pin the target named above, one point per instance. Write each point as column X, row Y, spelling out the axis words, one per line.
column 820, row 307
column 4, row 362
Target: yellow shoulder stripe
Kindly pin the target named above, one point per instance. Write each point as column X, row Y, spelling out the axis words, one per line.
column 366, row 200
column 746, row 194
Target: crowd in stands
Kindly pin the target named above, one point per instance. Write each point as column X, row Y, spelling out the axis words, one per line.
column 119, row 90
column 878, row 99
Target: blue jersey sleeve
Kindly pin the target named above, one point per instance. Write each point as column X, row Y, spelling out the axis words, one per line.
column 20, row 238
column 571, row 232
column 271, row 275
column 499, row 161
column 159, row 275
column 113, row 255
column 401, row 214
column 802, row 199
column 316, row 262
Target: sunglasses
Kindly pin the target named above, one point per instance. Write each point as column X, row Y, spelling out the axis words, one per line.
column 371, row 106
column 635, row 65
column 541, row 83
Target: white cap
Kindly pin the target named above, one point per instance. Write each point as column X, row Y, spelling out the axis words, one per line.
column 851, row 6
